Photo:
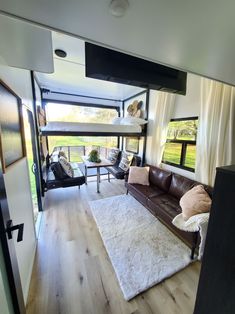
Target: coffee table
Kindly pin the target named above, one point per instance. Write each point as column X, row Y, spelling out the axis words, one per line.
column 89, row 164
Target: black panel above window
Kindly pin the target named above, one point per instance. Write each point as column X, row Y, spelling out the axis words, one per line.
column 110, row 65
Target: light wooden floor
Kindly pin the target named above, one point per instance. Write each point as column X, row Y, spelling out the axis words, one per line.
column 73, row 274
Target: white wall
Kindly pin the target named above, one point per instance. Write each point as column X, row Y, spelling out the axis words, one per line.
column 18, row 185
column 185, row 106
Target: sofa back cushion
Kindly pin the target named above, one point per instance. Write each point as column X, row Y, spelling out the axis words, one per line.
column 58, row 171
column 136, row 161
column 159, row 177
column 180, row 185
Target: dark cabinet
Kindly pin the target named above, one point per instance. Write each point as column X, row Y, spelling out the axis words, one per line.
column 216, row 289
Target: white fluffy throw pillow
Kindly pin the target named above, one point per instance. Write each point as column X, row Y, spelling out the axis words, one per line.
column 139, row 175
column 66, row 166
column 195, row 201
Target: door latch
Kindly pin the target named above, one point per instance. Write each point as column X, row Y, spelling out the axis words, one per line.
column 10, row 228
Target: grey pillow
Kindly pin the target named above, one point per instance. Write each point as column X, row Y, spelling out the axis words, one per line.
column 125, row 161
column 66, row 166
column 113, row 155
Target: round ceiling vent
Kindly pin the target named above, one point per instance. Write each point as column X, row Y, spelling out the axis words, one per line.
column 60, row 53
column 118, row 7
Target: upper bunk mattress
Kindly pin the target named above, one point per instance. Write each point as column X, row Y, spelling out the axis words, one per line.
column 90, row 129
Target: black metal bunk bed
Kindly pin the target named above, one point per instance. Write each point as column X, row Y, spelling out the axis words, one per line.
column 50, row 182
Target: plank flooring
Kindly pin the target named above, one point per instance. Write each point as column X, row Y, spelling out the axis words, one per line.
column 72, row 273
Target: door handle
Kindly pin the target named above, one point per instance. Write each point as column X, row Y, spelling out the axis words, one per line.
column 10, row 228
column 33, row 168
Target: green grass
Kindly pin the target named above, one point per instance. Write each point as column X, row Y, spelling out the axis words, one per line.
column 80, row 141
column 172, row 154
column 32, row 178
column 190, row 159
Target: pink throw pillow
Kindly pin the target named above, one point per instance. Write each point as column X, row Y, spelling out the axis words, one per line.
column 139, row 175
column 194, row 202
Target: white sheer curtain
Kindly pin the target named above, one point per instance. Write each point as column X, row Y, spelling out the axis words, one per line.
column 162, row 114
column 216, row 129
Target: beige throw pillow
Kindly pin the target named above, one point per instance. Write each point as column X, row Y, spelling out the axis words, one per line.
column 139, row 175
column 195, row 201
column 66, row 166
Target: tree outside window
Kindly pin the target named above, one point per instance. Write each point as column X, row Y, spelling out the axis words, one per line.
column 180, row 148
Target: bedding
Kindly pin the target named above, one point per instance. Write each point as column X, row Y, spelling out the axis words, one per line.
column 72, row 128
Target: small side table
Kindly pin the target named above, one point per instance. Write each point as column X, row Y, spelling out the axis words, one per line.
column 89, row 164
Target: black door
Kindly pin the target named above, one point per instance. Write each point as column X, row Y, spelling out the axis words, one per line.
column 7, row 228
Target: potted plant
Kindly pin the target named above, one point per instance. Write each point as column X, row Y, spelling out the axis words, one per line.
column 94, row 156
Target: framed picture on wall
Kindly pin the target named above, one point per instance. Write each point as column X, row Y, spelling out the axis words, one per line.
column 12, row 143
column 132, row 145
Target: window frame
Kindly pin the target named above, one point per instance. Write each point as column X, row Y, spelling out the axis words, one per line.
column 183, row 147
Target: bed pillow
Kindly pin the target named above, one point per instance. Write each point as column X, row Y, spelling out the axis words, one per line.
column 125, row 161
column 195, row 201
column 66, row 166
column 133, row 120
column 139, row 175
column 117, row 120
column 113, row 155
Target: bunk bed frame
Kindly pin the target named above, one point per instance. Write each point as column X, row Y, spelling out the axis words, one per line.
column 98, row 133
column 120, row 109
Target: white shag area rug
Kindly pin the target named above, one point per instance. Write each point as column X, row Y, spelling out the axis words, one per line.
column 142, row 250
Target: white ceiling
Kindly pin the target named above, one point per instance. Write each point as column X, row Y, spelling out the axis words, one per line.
column 69, row 75
column 195, row 36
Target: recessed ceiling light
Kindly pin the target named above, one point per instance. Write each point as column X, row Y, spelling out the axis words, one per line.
column 60, row 53
column 118, row 7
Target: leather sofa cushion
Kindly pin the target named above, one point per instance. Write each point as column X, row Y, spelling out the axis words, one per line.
column 58, row 171
column 159, row 207
column 117, row 172
column 160, row 178
column 180, row 185
column 169, row 204
column 143, row 192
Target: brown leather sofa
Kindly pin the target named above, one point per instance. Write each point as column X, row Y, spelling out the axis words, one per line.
column 162, row 197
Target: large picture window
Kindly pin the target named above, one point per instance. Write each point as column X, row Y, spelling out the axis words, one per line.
column 180, row 148
column 72, row 113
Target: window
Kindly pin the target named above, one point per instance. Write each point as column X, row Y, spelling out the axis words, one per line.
column 180, row 148
column 74, row 113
